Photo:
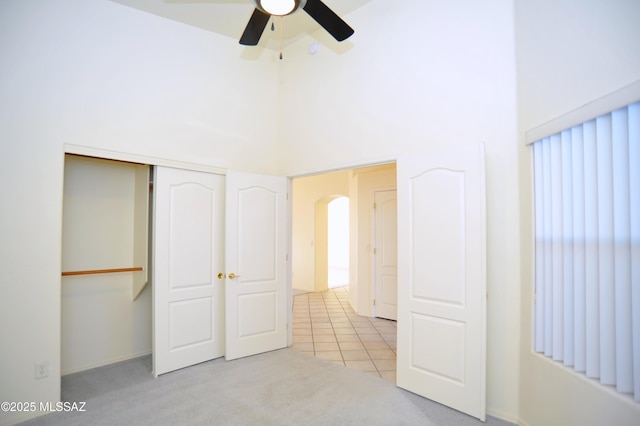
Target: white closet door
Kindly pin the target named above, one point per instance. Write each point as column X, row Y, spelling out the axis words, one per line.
column 187, row 257
column 256, row 289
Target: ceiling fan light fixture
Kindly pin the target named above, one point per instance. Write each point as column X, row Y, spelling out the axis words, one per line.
column 277, row 7
column 316, row 9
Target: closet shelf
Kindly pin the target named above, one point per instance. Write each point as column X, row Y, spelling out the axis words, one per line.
column 102, row 271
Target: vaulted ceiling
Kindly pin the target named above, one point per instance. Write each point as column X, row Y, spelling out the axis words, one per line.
column 229, row 17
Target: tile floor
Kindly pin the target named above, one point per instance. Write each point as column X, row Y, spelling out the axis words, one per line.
column 325, row 326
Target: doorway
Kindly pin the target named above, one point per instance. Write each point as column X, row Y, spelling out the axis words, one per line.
column 105, row 302
column 338, row 323
column 338, row 242
column 313, row 196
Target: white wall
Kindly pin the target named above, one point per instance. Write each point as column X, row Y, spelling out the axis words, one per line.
column 569, row 53
column 106, row 76
column 416, row 77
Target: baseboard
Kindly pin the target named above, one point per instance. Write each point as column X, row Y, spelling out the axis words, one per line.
column 106, row 362
column 507, row 417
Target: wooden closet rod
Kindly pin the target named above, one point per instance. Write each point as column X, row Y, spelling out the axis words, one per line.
column 102, row 271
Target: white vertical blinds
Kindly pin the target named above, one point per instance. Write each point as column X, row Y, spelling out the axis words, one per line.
column 587, row 248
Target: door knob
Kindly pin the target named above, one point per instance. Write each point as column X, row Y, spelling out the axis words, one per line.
column 220, row 275
column 232, row 276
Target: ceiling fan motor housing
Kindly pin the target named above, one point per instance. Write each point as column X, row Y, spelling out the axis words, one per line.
column 319, row 11
column 280, row 7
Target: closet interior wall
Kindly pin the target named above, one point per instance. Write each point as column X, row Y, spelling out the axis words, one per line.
column 106, row 316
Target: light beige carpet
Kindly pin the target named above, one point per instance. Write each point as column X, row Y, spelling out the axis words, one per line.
column 277, row 388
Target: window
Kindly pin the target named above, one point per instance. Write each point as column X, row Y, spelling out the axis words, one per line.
column 587, row 248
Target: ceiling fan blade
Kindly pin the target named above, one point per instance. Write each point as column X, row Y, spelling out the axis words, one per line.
column 331, row 22
column 255, row 27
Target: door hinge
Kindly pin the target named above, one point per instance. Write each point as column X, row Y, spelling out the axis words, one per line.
column 375, row 251
column 374, row 302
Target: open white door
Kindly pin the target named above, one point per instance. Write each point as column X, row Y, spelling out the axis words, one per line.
column 441, row 278
column 188, row 298
column 256, row 264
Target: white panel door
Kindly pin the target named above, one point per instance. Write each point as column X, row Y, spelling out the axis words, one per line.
column 386, row 254
column 256, row 265
column 188, row 298
column 441, row 278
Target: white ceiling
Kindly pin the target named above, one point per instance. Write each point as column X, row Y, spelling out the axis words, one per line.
column 230, row 17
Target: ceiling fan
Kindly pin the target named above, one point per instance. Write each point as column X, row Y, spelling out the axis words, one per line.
column 324, row 16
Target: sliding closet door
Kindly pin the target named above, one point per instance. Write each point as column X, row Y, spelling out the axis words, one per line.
column 187, row 257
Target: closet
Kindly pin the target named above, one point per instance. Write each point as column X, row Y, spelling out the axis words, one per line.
column 218, row 247
column 106, row 302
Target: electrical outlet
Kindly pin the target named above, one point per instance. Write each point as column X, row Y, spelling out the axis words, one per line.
column 42, row 369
